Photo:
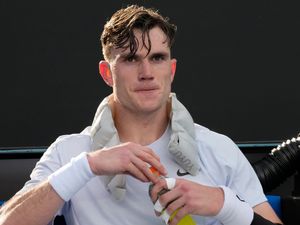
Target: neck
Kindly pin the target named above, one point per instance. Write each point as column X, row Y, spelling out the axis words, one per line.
column 139, row 128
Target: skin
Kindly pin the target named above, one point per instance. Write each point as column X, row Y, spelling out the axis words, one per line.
column 141, row 86
column 197, row 199
column 39, row 205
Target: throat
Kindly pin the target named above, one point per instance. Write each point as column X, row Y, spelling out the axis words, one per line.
column 140, row 128
column 141, row 133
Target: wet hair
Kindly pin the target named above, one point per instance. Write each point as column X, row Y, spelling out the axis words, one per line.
column 119, row 30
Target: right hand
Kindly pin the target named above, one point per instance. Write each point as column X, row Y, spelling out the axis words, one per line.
column 127, row 158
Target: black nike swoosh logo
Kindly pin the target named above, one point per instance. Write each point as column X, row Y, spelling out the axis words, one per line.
column 242, row 200
column 180, row 174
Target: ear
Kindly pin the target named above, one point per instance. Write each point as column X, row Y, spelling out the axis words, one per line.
column 173, row 68
column 104, row 70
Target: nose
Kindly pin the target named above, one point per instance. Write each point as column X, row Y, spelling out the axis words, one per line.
column 145, row 70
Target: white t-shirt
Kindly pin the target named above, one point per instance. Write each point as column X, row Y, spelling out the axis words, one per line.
column 222, row 163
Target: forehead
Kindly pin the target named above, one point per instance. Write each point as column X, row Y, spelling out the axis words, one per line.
column 158, row 39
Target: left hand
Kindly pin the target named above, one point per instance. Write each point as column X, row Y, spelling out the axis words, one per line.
column 189, row 198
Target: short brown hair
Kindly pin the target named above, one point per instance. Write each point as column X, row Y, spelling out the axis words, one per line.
column 118, row 31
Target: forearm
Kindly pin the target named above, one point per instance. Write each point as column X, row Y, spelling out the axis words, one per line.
column 40, row 204
column 37, row 206
column 236, row 211
column 259, row 220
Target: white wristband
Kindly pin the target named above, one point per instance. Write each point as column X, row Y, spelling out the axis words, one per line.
column 70, row 178
column 234, row 211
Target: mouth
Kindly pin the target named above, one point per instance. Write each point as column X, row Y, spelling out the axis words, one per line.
column 146, row 89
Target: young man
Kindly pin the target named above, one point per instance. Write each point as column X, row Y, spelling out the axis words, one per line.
column 102, row 175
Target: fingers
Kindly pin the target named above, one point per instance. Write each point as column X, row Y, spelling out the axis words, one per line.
column 169, row 205
column 158, row 207
column 134, row 171
column 174, row 211
column 149, row 156
column 161, row 186
column 185, row 197
column 171, row 212
column 177, row 210
column 140, row 170
column 151, row 152
column 170, row 182
column 160, row 194
column 127, row 158
column 137, row 159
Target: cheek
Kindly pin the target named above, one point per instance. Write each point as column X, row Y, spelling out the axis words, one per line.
column 117, row 76
column 121, row 84
column 118, row 83
column 167, row 83
column 169, row 77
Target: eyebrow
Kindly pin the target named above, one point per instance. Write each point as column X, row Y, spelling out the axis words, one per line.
column 138, row 56
column 164, row 54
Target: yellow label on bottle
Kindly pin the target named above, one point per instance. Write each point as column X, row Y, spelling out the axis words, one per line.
column 186, row 220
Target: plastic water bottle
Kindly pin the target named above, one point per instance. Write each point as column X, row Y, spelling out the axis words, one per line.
column 187, row 219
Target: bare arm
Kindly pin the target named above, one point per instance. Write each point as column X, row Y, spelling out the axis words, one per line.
column 36, row 206
column 265, row 210
column 40, row 204
column 127, row 158
column 193, row 198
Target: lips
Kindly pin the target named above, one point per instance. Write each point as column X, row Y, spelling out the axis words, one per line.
column 142, row 89
column 145, row 90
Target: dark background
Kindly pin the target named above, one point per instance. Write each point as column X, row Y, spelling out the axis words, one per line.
column 237, row 73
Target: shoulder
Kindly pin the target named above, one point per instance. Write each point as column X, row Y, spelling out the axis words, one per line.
column 58, row 154
column 226, row 165
column 214, row 142
column 72, row 140
column 67, row 146
column 217, row 152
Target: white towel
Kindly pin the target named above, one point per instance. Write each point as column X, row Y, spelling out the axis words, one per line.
column 182, row 144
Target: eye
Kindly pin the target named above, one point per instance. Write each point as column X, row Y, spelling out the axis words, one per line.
column 158, row 57
column 130, row 59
